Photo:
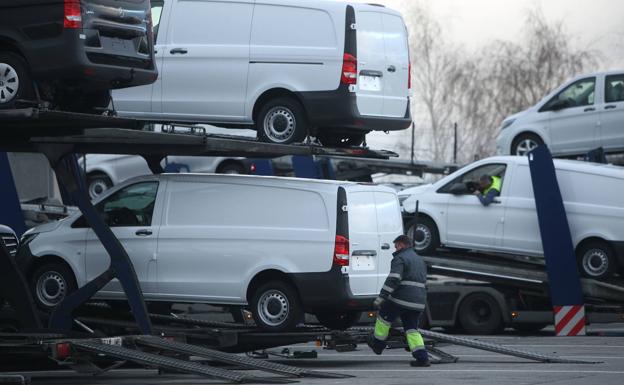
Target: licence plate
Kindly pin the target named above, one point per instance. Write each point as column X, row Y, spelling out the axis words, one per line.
column 370, row 83
column 116, row 341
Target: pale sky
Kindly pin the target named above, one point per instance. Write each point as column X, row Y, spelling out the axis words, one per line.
column 597, row 25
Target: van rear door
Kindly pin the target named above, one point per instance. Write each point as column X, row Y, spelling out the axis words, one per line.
column 396, row 76
column 383, row 63
column 389, row 226
column 364, row 243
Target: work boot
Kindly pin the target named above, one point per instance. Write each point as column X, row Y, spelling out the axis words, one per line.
column 376, row 346
column 421, row 358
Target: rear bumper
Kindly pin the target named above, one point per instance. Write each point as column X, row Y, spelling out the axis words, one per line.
column 329, row 291
column 338, row 111
column 68, row 60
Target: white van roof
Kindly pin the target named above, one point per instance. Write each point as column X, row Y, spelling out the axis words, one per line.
column 326, row 4
column 565, row 164
column 254, row 179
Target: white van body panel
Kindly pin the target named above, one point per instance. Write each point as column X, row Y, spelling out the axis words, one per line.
column 210, row 235
column 512, row 225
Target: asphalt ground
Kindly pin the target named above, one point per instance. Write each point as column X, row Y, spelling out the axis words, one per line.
column 473, row 367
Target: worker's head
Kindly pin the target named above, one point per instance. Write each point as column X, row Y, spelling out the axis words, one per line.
column 402, row 242
column 485, row 181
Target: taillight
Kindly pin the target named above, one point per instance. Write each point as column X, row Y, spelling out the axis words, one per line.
column 341, row 251
column 63, row 350
column 349, row 69
column 72, row 14
column 409, row 76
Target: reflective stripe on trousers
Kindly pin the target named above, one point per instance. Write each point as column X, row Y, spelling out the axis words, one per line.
column 382, row 329
column 414, row 340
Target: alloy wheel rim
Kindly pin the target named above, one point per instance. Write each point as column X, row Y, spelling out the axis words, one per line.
column 96, row 188
column 595, row 262
column 279, row 124
column 526, row 146
column 273, row 307
column 9, row 83
column 421, row 236
column 51, row 288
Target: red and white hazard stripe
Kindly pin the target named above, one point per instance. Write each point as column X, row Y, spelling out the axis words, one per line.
column 570, row 320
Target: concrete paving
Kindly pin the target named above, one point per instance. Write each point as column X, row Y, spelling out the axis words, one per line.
column 474, row 366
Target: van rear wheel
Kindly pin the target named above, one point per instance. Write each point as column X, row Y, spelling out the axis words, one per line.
column 338, row 321
column 596, row 260
column 15, row 81
column 281, row 121
column 276, row 307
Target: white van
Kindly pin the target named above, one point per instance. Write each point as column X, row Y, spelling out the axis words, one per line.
column 282, row 67
column 450, row 215
column 280, row 245
column 583, row 114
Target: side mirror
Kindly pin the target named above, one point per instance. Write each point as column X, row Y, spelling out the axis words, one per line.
column 560, row 105
column 459, row 189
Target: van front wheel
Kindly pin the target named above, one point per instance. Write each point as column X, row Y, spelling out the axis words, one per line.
column 281, row 121
column 424, row 233
column 276, row 307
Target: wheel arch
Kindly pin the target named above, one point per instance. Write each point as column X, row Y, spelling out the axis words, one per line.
column 495, row 294
column 229, row 161
column 265, row 276
column 51, row 258
column 273, row 93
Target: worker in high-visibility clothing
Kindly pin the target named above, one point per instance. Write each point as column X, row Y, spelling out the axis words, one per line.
column 403, row 295
column 489, row 188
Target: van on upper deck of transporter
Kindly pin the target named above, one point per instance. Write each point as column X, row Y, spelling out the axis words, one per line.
column 284, row 68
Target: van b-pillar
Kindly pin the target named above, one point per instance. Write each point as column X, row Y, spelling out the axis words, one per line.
column 71, row 181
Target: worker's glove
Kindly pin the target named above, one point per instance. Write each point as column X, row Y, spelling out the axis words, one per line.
column 378, row 301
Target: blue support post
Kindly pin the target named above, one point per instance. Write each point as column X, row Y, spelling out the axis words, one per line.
column 565, row 286
column 305, row 167
column 263, row 167
column 11, row 213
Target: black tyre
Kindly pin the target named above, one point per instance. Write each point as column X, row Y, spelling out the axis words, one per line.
column 51, row 283
column 339, row 321
column 596, row 260
column 424, row 233
column 479, row 313
column 282, row 121
column 15, row 81
column 276, row 307
column 232, row 168
column 529, row 327
column 97, row 184
column 524, row 143
column 331, row 139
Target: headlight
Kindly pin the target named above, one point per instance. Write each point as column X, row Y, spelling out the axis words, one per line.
column 26, row 238
column 507, row 123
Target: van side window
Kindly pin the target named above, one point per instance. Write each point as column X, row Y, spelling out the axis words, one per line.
column 614, row 88
column 128, row 207
column 522, row 186
column 468, row 182
column 578, row 94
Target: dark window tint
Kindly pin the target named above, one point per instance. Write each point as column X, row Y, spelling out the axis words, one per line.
column 130, row 206
column 470, row 180
column 577, row 94
column 614, row 88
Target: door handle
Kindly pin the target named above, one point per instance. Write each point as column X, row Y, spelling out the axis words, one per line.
column 385, row 246
column 610, row 107
column 143, row 232
column 364, row 253
column 589, row 109
column 371, row 73
column 181, row 51
column 391, row 68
